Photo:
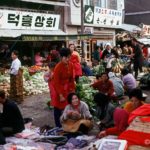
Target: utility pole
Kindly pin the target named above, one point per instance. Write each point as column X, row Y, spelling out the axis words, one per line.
column 82, row 27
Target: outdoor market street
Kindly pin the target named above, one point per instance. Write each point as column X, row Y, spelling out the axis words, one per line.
column 35, row 107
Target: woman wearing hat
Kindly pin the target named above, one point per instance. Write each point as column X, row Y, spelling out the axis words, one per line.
column 76, row 115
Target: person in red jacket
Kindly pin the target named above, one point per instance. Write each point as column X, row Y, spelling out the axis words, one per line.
column 121, row 123
column 75, row 60
column 104, row 85
column 64, row 83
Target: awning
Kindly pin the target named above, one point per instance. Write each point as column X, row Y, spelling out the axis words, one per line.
column 38, row 35
column 54, row 37
column 47, row 2
column 17, row 33
column 144, row 40
column 130, row 28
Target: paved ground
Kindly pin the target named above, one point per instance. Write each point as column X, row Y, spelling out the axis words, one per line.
column 35, row 106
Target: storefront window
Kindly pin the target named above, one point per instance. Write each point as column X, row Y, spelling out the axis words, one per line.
column 89, row 2
column 112, row 4
column 98, row 3
column 102, row 3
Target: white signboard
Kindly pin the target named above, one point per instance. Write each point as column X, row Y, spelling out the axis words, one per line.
column 109, row 17
column 120, row 4
column 10, row 19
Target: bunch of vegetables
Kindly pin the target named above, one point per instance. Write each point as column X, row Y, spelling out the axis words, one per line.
column 34, row 69
column 5, row 82
column 98, row 69
column 34, row 84
column 117, row 66
column 85, row 91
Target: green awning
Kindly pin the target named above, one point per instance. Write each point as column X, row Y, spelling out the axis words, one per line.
column 55, row 37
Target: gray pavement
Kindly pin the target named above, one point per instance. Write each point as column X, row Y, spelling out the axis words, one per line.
column 35, row 107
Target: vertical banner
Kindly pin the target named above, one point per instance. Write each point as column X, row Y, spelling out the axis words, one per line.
column 89, row 14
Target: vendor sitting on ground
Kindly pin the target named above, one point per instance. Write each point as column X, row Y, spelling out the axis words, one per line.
column 128, row 80
column 117, row 83
column 137, row 100
column 11, row 121
column 86, row 69
column 76, row 115
column 98, row 78
column 104, row 85
column 120, row 117
column 104, row 111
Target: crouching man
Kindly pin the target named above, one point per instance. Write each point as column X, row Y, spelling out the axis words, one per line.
column 11, row 121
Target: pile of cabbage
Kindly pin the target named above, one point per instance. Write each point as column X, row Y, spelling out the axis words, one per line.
column 85, row 91
column 32, row 85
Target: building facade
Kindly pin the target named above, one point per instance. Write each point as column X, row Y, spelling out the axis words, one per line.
column 32, row 25
column 101, row 19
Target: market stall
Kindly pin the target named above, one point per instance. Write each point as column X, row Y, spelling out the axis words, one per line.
column 35, row 138
column 33, row 82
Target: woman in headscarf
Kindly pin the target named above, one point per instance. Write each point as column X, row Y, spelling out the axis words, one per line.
column 76, row 115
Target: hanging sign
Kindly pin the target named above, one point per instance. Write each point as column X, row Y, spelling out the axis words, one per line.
column 10, row 19
column 103, row 16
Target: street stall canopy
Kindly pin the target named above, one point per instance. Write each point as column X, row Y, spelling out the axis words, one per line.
column 130, row 28
column 39, row 35
column 16, row 33
column 144, row 40
column 55, row 37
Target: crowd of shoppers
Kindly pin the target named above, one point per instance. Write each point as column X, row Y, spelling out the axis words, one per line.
column 65, row 68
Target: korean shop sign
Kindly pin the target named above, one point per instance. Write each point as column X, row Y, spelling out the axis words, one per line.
column 10, row 19
column 109, row 17
column 103, row 16
column 89, row 14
